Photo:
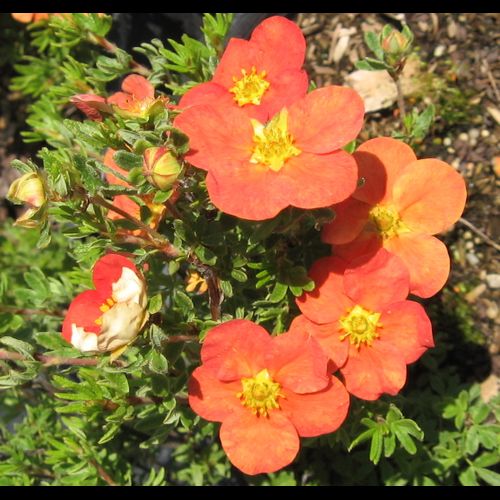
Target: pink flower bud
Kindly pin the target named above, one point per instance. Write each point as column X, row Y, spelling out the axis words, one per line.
column 28, row 189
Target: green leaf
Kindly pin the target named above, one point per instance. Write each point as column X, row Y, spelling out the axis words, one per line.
column 371, row 64
column 19, row 346
column 127, row 160
column 423, row 122
column 350, row 147
column 405, row 440
column 468, row 477
column 372, row 40
column 471, row 441
column 364, row 436
column 183, row 301
column 227, row 288
column 112, row 430
column 376, row 445
column 489, row 476
column 158, row 362
column 278, row 293
column 37, row 281
column 239, row 275
column 155, row 303
column 161, row 197
column 206, row 255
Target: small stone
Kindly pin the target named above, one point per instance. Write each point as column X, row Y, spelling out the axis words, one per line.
column 450, row 150
column 463, row 137
column 469, row 245
column 447, row 142
column 456, row 162
column 473, row 295
column 489, row 388
column 474, row 133
column 467, row 235
column 439, row 50
column 471, row 257
column 473, row 142
column 493, row 280
column 376, row 88
column 492, row 311
column 485, row 133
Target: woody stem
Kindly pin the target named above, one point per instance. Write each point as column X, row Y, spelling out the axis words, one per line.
column 159, row 240
column 112, row 48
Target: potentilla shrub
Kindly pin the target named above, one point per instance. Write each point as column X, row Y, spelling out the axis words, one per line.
column 234, row 256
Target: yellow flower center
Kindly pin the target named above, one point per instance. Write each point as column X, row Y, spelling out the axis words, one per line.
column 260, row 393
column 105, row 307
column 250, row 88
column 387, row 221
column 360, row 326
column 273, row 144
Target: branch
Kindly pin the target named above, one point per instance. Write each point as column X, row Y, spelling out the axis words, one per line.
column 480, row 233
column 113, row 49
column 31, row 312
column 102, row 473
column 159, row 240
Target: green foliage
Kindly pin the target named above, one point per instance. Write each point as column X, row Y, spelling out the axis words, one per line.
column 69, row 418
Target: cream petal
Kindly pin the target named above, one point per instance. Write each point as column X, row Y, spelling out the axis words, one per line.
column 82, row 340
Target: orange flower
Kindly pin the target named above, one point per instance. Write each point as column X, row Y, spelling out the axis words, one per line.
column 137, row 98
column 261, row 75
column 256, row 169
column 26, row 17
column 362, row 320
column 112, row 315
column 267, row 391
column 124, row 201
column 402, row 203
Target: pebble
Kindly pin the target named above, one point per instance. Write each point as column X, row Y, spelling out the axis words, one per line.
column 439, row 51
column 463, row 137
column 473, row 142
column 455, row 163
column 469, row 245
column 450, row 150
column 492, row 311
column 471, row 257
column 473, row 295
column 493, row 280
column 447, row 142
column 485, row 133
column 474, row 133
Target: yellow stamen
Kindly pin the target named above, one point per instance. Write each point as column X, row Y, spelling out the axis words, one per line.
column 360, row 325
column 387, row 221
column 250, row 88
column 105, row 307
column 260, row 393
column 273, row 144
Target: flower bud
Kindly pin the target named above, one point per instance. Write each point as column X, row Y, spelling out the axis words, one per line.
column 395, row 43
column 161, row 168
column 28, row 189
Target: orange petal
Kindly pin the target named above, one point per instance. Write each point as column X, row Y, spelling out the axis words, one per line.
column 139, row 87
column 326, row 119
column 121, row 99
column 83, row 311
column 239, row 54
column 430, row 196
column 298, row 363
column 351, row 217
column 328, row 301
column 259, row 444
column 318, row 412
column 210, row 398
column 24, row 17
column 217, row 137
column 363, row 247
column 427, row 261
column 127, row 204
column 259, row 194
column 407, row 327
column 380, row 161
column 108, row 270
column 327, row 336
column 208, row 93
column 375, row 284
column 282, row 44
column 285, row 88
column 110, row 162
column 374, row 370
column 315, row 181
column 235, row 349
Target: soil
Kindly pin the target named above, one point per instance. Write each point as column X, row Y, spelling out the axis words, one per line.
column 460, row 50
